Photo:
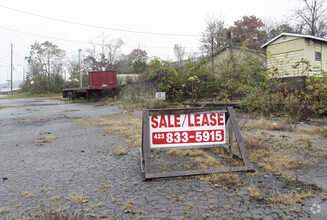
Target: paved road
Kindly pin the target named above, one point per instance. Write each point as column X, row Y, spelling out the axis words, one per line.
column 79, row 164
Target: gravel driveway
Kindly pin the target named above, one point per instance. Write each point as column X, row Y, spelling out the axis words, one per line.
column 47, row 161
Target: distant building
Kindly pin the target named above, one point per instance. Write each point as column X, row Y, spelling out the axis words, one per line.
column 286, row 50
column 239, row 53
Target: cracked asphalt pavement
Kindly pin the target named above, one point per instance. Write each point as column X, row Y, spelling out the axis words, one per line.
column 76, row 170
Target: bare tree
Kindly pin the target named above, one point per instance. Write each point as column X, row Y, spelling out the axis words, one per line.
column 311, row 18
column 273, row 28
column 180, row 53
column 214, row 37
column 102, row 55
column 113, row 47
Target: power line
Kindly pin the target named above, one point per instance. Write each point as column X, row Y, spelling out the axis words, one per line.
column 4, row 62
column 5, row 55
column 39, row 35
column 100, row 27
column 74, row 41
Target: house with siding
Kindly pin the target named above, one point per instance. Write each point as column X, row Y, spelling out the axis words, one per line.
column 239, row 53
column 285, row 51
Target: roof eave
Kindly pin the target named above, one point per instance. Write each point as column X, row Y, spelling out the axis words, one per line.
column 294, row 35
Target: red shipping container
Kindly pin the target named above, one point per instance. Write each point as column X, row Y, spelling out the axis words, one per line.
column 103, row 80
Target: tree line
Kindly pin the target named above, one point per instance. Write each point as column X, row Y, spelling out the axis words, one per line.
column 47, row 64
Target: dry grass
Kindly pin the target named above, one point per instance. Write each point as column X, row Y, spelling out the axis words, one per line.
column 275, row 155
column 128, row 207
column 41, row 118
column 188, row 152
column 290, row 199
column 4, row 211
column 254, row 192
column 208, row 159
column 276, row 162
column 98, row 216
column 59, row 215
column 223, row 179
column 56, row 198
column 77, row 198
column 200, row 157
column 317, row 132
column 120, row 150
column 264, row 124
column 324, row 194
column 127, row 126
column 254, row 143
column 44, row 140
column 27, row 195
column 99, row 204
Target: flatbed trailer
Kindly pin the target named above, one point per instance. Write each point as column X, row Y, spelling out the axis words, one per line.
column 98, row 82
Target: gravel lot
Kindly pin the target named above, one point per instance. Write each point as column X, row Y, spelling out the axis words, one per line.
column 47, row 161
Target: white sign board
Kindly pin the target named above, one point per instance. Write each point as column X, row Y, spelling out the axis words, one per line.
column 161, row 95
column 187, row 129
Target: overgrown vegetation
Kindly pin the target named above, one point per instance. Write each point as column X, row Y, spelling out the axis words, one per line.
column 273, row 96
column 279, row 153
column 236, row 75
column 21, row 94
column 227, row 79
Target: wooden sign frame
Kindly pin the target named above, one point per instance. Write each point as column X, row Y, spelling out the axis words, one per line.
column 145, row 151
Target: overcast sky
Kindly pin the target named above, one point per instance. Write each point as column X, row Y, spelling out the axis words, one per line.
column 176, row 17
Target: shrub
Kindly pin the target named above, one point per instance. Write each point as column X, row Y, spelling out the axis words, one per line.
column 129, row 79
column 276, row 98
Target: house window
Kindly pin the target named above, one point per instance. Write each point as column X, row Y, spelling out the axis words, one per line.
column 318, row 56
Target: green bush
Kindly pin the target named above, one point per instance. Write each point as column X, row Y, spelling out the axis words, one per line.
column 129, row 79
column 297, row 104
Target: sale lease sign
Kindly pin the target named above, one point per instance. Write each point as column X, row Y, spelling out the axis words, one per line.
column 187, row 129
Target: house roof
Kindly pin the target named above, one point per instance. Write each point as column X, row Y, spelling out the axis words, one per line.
column 293, row 35
column 236, row 48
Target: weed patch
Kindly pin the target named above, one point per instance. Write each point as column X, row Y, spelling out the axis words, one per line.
column 290, row 199
column 319, row 132
column 254, row 192
column 77, row 198
column 44, row 140
column 127, row 126
column 57, row 215
column 223, row 179
column 4, row 211
column 264, row 124
column 120, row 150
column 200, row 157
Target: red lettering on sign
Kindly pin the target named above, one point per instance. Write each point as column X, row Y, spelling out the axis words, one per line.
column 177, row 121
column 163, row 122
column 170, row 125
column 183, row 137
column 197, row 120
column 189, row 121
column 220, row 119
column 213, row 119
column 154, row 121
column 205, row 120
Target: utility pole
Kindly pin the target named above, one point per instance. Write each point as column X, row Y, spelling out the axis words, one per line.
column 11, row 67
column 23, row 74
column 212, row 54
column 49, row 69
column 79, row 68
